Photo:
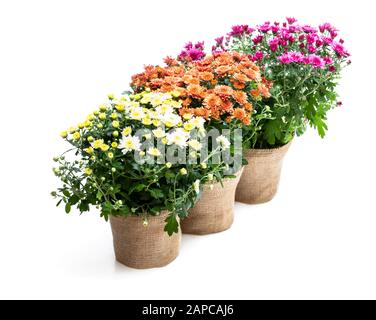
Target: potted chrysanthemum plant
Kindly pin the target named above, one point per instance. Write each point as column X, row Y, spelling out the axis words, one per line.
column 304, row 63
column 135, row 158
column 221, row 89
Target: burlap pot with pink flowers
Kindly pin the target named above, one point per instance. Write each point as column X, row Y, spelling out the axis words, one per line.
column 214, row 212
column 143, row 246
column 260, row 179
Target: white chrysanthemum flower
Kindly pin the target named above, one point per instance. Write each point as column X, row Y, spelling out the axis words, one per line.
column 198, row 122
column 164, row 109
column 154, row 152
column 223, row 142
column 195, row 144
column 159, row 133
column 172, row 120
column 178, row 137
column 129, row 143
column 137, row 113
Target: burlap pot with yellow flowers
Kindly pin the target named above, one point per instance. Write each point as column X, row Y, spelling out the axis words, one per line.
column 214, row 212
column 142, row 245
column 260, row 179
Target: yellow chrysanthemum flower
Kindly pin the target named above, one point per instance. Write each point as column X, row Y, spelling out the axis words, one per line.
column 114, row 144
column 120, row 107
column 146, row 121
column 111, row 96
column 102, row 116
column 89, row 150
column 72, row 129
column 90, row 139
column 188, row 126
column 110, row 155
column 76, row 136
column 127, row 131
column 105, row 147
column 154, row 152
column 156, row 123
column 98, row 143
column 102, row 107
column 168, row 165
column 64, row 134
column 183, row 171
column 114, row 115
column 88, row 171
column 115, row 124
column 175, row 94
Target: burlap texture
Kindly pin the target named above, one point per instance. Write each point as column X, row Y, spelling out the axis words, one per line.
column 142, row 247
column 260, row 178
column 214, row 212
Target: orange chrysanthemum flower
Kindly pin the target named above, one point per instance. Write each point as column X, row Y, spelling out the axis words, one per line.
column 238, row 85
column 224, row 91
column 202, row 112
column 212, row 100
column 264, row 90
column 240, row 97
column 239, row 113
column 222, row 70
column 248, row 106
column 255, row 93
column 195, row 90
column 246, row 121
column 242, row 78
column 227, row 106
column 206, row 76
column 252, row 74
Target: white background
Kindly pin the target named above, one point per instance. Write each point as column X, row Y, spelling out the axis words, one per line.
column 58, row 61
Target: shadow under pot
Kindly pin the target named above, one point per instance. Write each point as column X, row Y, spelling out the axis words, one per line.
column 260, row 179
column 144, row 247
column 214, row 212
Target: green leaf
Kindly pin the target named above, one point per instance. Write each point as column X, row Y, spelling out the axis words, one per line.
column 272, row 131
column 156, row 193
column 137, row 188
column 172, row 225
column 74, row 200
column 58, row 204
column 321, row 126
column 66, row 193
column 68, row 208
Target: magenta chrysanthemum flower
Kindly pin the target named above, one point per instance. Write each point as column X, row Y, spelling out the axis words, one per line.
column 291, row 20
column 239, row 30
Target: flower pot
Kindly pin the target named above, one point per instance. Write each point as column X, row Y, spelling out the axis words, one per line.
column 214, row 212
column 141, row 247
column 260, row 178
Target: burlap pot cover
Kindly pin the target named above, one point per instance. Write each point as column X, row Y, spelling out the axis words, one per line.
column 214, row 212
column 141, row 247
column 260, row 178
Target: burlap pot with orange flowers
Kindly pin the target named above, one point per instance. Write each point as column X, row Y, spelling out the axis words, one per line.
column 142, row 246
column 260, row 179
column 214, row 212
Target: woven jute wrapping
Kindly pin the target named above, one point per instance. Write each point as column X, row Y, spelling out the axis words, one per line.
column 141, row 247
column 214, row 212
column 260, row 178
